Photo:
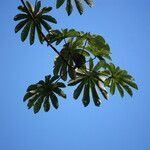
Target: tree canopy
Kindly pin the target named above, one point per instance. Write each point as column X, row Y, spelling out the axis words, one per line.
column 84, row 60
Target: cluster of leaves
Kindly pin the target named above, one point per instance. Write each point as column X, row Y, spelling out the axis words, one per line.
column 75, row 63
column 77, row 48
column 33, row 19
column 43, row 92
column 69, row 5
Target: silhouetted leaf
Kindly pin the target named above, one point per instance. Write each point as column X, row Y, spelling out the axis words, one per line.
column 59, row 3
column 120, row 90
column 69, row 7
column 38, row 104
column 54, row 100
column 46, row 104
column 32, row 34
column 20, row 17
column 95, row 96
column 86, row 96
column 79, row 6
column 20, row 25
column 78, row 90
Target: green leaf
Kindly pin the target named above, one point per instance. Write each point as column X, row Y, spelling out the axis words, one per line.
column 86, row 96
column 21, row 8
column 32, row 101
column 44, row 89
column 84, row 53
column 79, row 6
column 54, row 100
column 111, row 67
column 71, row 70
column 53, row 78
column 37, row 7
column 78, row 90
column 75, row 81
column 132, row 84
column 29, row 6
column 71, row 33
column 41, row 82
column 127, row 89
column 49, row 18
column 59, row 92
column 120, row 90
column 39, row 33
column 20, row 25
column 99, row 65
column 107, row 82
column 47, row 79
column 91, row 64
column 46, row 25
column 57, row 66
column 63, row 72
column 102, row 90
column 46, row 10
column 59, row 3
column 112, row 87
column 20, row 16
column 28, row 95
column 79, row 60
column 89, row 2
column 60, row 84
column 32, row 87
column 38, row 104
column 69, row 7
column 46, row 104
column 32, row 33
column 25, row 32
column 95, row 96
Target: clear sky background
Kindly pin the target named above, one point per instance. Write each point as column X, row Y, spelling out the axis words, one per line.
column 118, row 124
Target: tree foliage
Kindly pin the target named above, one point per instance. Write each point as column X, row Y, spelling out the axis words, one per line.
column 83, row 62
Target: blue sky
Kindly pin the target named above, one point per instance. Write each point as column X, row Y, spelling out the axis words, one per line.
column 118, row 124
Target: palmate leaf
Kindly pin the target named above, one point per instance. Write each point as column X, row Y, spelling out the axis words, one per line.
column 73, row 60
column 44, row 93
column 120, row 79
column 87, row 80
column 59, row 35
column 32, row 21
column 69, row 5
column 86, row 43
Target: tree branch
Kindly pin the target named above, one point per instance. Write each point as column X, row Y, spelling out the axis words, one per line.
column 42, row 34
